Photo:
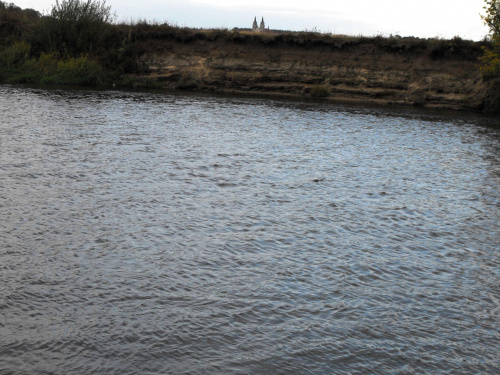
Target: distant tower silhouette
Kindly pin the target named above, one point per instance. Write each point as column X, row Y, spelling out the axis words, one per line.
column 257, row 28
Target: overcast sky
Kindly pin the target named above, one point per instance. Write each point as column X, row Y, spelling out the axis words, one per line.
column 423, row 18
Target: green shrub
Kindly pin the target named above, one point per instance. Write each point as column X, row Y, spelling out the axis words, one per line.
column 17, row 67
column 47, row 64
column 76, row 71
column 74, row 27
column 15, row 55
column 491, row 62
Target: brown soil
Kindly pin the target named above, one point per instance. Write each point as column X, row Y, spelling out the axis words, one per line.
column 363, row 73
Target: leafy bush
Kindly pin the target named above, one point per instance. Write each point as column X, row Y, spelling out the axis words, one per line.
column 491, row 63
column 76, row 71
column 15, row 54
column 74, row 27
column 491, row 57
column 16, row 67
column 47, row 64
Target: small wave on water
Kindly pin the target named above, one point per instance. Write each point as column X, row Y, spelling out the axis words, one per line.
column 179, row 234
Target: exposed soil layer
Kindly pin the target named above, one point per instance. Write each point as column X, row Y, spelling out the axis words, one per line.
column 353, row 72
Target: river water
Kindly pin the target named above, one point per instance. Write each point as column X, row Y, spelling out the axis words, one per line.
column 148, row 233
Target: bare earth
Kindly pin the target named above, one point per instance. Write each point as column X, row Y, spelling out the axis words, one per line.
column 362, row 73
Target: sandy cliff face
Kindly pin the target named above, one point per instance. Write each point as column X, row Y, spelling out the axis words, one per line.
column 366, row 72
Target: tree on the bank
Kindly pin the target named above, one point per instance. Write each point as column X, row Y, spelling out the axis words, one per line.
column 491, row 58
column 74, row 27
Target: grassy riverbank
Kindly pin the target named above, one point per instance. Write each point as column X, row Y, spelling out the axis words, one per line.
column 85, row 47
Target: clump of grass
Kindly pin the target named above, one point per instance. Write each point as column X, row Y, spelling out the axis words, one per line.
column 12, row 61
column 14, row 55
column 76, row 71
column 319, row 92
column 17, row 67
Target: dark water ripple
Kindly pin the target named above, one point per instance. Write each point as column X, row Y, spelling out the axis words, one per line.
column 166, row 234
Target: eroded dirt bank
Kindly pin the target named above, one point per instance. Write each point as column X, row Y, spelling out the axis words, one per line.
column 365, row 72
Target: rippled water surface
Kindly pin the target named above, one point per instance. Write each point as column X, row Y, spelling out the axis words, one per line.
column 145, row 233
